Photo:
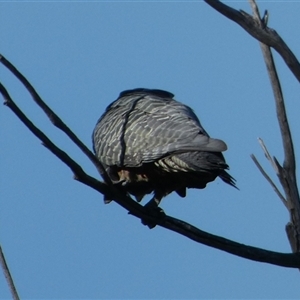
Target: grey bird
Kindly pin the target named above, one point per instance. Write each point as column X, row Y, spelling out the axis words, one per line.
column 149, row 142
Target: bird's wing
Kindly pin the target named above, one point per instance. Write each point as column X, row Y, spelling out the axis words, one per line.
column 142, row 127
column 156, row 129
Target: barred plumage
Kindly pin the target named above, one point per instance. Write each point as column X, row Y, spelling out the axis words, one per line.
column 153, row 143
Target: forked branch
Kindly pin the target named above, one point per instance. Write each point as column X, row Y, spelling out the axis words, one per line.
column 257, row 27
column 287, row 172
column 264, row 34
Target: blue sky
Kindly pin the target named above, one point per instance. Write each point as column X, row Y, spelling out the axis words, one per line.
column 59, row 239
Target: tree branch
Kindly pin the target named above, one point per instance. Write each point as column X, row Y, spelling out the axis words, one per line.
column 8, row 276
column 281, row 197
column 287, row 173
column 263, row 34
column 245, row 251
column 79, row 174
column 56, row 121
column 257, row 27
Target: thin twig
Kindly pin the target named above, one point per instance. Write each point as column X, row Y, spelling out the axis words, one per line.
column 8, row 276
column 268, row 156
column 255, row 10
column 263, row 172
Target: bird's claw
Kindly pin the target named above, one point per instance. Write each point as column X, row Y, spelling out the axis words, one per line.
column 155, row 211
column 119, row 185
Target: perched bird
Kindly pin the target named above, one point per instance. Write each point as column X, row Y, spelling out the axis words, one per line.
column 149, row 142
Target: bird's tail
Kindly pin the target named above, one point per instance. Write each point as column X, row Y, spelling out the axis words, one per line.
column 228, row 178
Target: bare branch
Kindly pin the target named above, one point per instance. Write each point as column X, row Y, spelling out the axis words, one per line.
column 55, row 119
column 264, row 34
column 257, row 27
column 289, row 161
column 291, row 233
column 269, row 157
column 79, row 174
column 287, row 173
column 269, row 180
column 8, row 276
column 249, row 252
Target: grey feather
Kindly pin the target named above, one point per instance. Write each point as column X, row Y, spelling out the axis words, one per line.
column 148, row 127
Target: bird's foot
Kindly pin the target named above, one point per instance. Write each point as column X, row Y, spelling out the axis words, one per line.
column 155, row 211
column 117, row 184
